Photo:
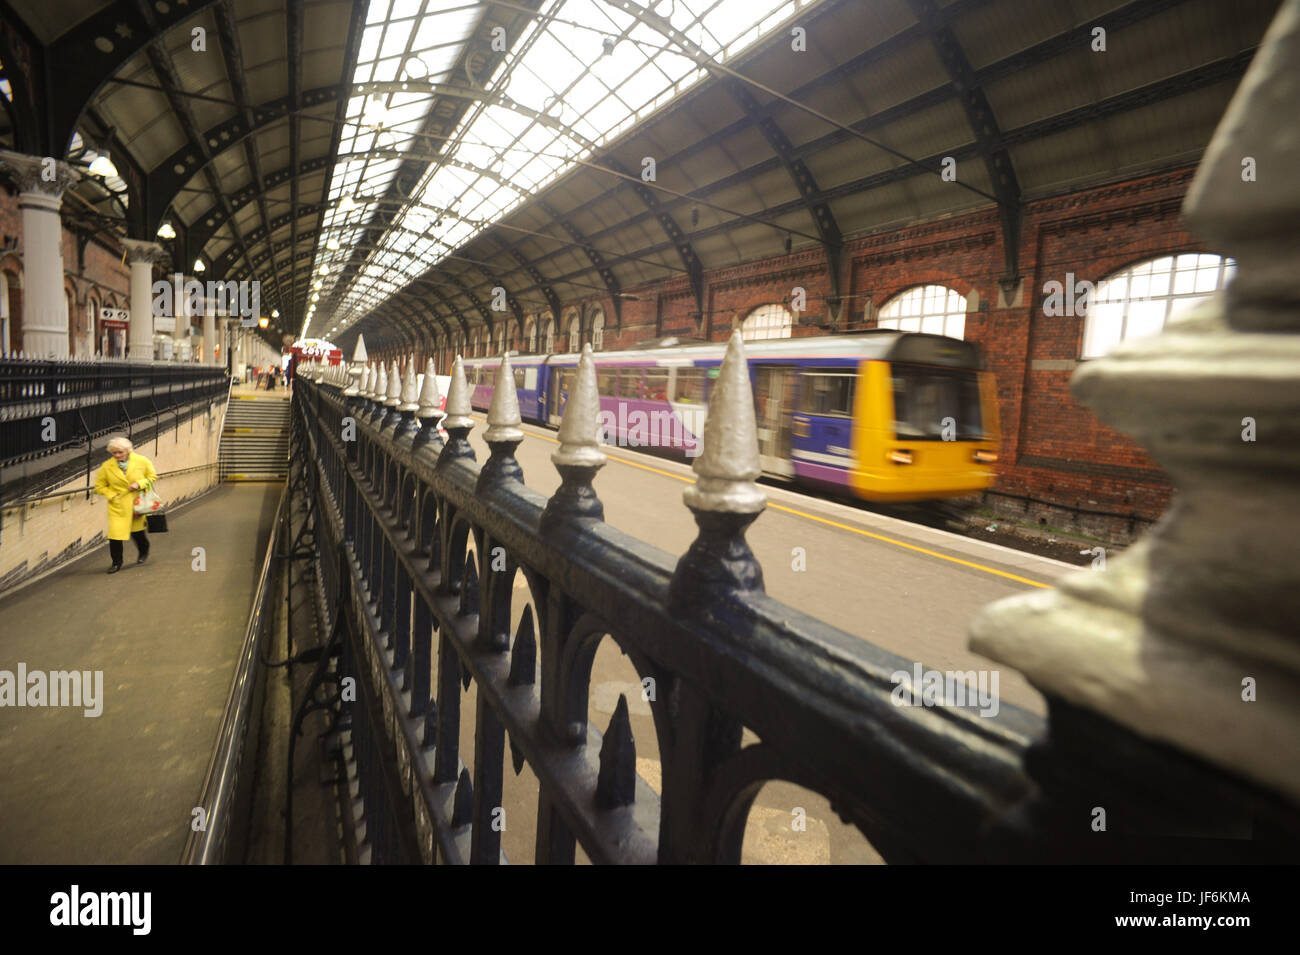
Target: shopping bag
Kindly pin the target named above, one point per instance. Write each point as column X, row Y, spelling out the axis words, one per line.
column 156, row 523
column 147, row 502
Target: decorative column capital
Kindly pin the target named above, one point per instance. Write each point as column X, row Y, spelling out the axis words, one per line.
column 40, row 178
column 1192, row 636
column 143, row 250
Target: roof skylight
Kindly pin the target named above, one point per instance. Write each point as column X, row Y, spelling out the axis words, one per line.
column 581, row 74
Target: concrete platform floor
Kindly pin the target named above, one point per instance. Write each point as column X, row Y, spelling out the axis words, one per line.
column 120, row 787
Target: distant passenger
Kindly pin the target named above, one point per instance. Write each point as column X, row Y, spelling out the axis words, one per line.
column 120, row 478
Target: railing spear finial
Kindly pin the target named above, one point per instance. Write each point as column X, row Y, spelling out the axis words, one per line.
column 380, row 392
column 725, row 500
column 458, row 421
column 578, row 457
column 392, row 398
column 616, row 780
column 503, row 434
column 429, row 413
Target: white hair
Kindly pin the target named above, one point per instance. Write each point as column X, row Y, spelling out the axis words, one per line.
column 119, row 442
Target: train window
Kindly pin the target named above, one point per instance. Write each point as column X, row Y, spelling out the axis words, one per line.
column 936, row 403
column 519, row 378
column 530, row 379
column 656, row 384
column 629, row 383
column 827, row 393
column 691, row 386
column 606, row 379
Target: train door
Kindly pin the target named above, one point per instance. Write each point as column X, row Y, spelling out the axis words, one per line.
column 559, row 393
column 774, row 400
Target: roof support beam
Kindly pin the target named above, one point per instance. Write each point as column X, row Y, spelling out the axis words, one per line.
column 99, row 47
column 827, row 228
column 356, row 27
column 170, row 176
column 228, row 33
column 593, row 256
column 293, row 51
column 984, row 126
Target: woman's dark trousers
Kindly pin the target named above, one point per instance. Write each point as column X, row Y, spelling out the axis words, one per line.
column 141, row 545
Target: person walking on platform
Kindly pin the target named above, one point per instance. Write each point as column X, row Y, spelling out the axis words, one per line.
column 120, row 478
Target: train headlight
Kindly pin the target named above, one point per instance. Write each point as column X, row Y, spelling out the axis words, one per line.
column 900, row 457
column 986, row 457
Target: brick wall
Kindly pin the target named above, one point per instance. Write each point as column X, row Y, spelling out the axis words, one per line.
column 37, row 537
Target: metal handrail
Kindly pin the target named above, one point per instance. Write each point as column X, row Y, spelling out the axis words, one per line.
column 220, row 783
column 90, row 487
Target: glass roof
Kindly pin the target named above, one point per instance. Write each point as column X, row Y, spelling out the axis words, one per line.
column 581, row 74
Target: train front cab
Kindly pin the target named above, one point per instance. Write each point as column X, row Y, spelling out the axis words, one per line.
column 900, row 413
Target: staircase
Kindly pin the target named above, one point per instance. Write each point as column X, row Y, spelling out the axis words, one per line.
column 255, row 439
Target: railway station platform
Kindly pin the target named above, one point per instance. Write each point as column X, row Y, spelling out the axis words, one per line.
column 120, row 786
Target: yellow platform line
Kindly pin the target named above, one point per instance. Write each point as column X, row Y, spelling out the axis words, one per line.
column 822, row 520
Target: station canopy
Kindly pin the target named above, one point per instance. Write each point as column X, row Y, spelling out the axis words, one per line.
column 388, row 165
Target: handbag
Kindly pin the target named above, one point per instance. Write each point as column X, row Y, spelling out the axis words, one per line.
column 147, row 502
column 156, row 523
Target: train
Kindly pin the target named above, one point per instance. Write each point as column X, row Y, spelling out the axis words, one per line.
column 882, row 415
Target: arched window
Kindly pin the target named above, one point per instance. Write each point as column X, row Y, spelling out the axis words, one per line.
column 935, row 309
column 1139, row 300
column 767, row 321
column 530, row 335
column 597, row 329
column 573, row 327
column 92, row 325
column 74, row 323
column 5, row 344
column 548, row 326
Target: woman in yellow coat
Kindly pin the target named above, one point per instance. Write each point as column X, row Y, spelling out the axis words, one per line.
column 120, row 478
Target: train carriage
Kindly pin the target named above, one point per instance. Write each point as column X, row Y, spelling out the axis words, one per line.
column 882, row 415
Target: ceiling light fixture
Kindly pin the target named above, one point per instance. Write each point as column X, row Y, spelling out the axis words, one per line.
column 199, row 266
column 102, row 165
column 165, row 231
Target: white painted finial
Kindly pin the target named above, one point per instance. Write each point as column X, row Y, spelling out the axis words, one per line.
column 410, row 391
column 429, row 397
column 728, row 464
column 458, row 406
column 503, row 414
column 580, row 426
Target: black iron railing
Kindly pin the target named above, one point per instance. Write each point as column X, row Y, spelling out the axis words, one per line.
column 400, row 524
column 226, row 787
column 51, row 411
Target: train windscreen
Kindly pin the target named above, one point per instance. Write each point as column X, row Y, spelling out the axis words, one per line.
column 928, row 400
